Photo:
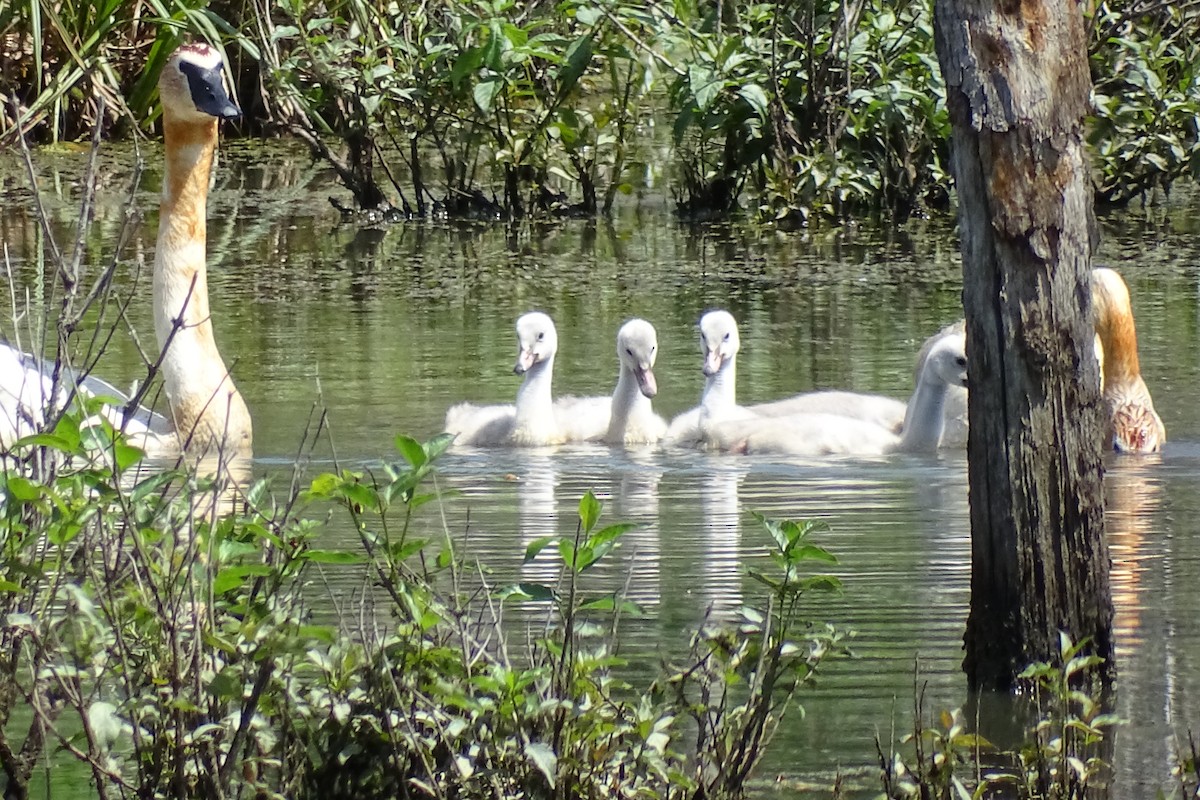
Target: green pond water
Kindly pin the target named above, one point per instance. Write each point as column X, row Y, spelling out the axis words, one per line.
column 385, row 328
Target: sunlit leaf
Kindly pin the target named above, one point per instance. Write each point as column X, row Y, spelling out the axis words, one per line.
column 411, row 450
column 589, row 511
column 537, row 546
column 544, row 759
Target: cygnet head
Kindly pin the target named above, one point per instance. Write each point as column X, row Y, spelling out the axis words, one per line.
column 191, row 88
column 947, row 361
column 537, row 341
column 637, row 348
column 718, row 340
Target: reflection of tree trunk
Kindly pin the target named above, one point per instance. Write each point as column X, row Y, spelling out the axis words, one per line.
column 1017, row 91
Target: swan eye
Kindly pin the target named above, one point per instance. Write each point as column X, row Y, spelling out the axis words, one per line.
column 629, row 352
column 541, row 337
column 726, row 337
column 961, row 361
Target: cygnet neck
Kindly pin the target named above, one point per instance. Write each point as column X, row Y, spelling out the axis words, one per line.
column 628, row 402
column 923, row 419
column 720, row 389
column 535, row 400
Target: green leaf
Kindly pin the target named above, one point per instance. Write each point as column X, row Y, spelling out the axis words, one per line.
column 412, row 450
column 332, row 557
column 589, row 511
column 9, row 586
column 537, row 546
column 579, row 56
column 485, row 93
column 755, row 97
column 526, row 591
column 465, row 65
column 225, row 685
column 587, row 15
column 610, row 603
column 232, row 577
column 610, row 533
column 24, row 490
column 544, row 759
column 324, row 485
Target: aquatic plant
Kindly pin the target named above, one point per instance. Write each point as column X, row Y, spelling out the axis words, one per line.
column 1065, row 753
column 468, row 96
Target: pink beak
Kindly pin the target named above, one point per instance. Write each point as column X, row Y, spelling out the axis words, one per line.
column 525, row 360
column 712, row 362
column 646, row 382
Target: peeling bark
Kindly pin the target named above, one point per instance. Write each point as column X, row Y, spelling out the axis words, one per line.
column 1017, row 90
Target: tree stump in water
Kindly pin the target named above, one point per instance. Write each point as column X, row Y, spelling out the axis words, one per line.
column 1017, row 89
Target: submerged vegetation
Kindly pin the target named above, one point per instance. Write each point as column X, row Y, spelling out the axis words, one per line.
column 787, row 110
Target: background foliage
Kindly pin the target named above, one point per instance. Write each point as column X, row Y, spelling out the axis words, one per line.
column 787, row 110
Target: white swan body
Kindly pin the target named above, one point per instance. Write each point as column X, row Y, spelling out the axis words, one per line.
column 206, row 409
column 26, row 390
column 885, row 412
column 719, row 344
column 1135, row 425
column 830, row 434
column 532, row 421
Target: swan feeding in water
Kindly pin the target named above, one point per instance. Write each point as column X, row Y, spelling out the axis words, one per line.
column 832, row 434
column 206, row 411
column 1135, row 426
column 532, row 421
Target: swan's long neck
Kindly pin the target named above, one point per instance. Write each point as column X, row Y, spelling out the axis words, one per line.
column 205, row 406
column 628, row 403
column 923, row 419
column 720, row 390
column 1118, row 335
column 535, row 401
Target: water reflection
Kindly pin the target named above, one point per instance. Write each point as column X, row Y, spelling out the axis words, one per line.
column 1145, row 643
column 537, row 514
column 722, row 525
column 635, row 499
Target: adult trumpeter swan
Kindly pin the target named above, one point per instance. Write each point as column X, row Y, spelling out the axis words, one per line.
column 831, row 434
column 719, row 342
column 206, row 410
column 1135, row 425
column 532, row 421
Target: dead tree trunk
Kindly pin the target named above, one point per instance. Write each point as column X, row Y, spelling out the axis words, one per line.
column 1017, row 89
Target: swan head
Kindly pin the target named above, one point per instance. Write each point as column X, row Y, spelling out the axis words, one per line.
column 946, row 362
column 191, row 87
column 637, row 349
column 537, row 341
column 718, row 340
column 1137, row 428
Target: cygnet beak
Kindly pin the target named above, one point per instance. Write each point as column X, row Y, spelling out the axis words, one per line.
column 712, row 362
column 646, row 381
column 525, row 360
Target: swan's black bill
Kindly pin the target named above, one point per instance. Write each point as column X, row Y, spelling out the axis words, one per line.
column 208, row 92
